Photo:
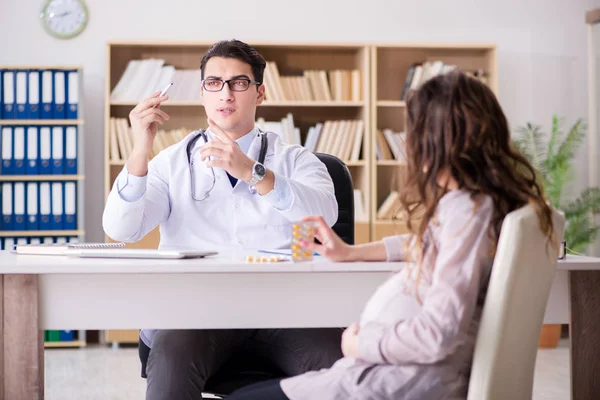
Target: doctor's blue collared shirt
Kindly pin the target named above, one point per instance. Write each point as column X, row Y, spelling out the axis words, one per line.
column 131, row 188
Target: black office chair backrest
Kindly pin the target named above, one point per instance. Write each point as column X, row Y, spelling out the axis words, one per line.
column 344, row 194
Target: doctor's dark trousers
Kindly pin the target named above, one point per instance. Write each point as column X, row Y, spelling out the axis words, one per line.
column 181, row 361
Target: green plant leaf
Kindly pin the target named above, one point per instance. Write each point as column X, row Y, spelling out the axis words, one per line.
column 554, row 163
column 566, row 150
column 588, row 202
column 530, row 143
column 579, row 234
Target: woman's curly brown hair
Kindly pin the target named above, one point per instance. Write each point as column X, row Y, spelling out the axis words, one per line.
column 456, row 126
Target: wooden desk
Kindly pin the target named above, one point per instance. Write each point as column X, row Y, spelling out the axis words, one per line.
column 584, row 325
column 57, row 292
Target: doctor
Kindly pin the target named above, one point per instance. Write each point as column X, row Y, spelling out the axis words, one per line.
column 231, row 186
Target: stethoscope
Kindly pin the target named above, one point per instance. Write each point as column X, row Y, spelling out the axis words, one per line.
column 264, row 144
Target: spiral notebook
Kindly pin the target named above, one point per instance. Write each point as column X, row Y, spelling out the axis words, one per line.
column 59, row 249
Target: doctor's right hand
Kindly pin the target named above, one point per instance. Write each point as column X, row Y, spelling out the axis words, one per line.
column 145, row 118
column 332, row 246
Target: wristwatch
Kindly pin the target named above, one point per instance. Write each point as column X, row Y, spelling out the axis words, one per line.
column 258, row 173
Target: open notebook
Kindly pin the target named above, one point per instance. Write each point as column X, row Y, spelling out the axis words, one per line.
column 61, row 248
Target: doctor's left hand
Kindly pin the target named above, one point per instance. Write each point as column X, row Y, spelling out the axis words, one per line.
column 230, row 157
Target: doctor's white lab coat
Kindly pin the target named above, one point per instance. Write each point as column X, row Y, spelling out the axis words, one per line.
column 230, row 216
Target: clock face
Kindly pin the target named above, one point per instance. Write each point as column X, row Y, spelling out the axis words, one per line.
column 64, row 18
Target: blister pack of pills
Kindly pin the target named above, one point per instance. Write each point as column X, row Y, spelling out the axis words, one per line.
column 264, row 259
column 303, row 233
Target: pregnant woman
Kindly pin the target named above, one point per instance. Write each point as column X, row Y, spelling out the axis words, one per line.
column 416, row 335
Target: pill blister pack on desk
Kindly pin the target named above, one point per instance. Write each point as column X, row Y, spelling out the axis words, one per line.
column 259, row 259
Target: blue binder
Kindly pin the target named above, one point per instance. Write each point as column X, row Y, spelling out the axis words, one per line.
column 58, row 205
column 67, row 336
column 21, row 94
column 71, row 150
column 58, row 150
column 70, row 209
column 47, row 93
column 6, row 194
column 45, row 206
column 6, row 150
column 33, row 151
column 33, row 95
column 19, row 206
column 60, row 94
column 45, row 154
column 8, row 96
column 72, row 94
column 19, row 146
column 33, row 201
column 9, row 243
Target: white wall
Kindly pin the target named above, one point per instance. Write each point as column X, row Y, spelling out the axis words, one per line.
column 541, row 47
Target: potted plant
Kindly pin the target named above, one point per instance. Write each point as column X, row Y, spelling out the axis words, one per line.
column 552, row 158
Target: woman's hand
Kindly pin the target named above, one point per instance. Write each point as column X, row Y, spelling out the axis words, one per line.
column 331, row 246
column 350, row 341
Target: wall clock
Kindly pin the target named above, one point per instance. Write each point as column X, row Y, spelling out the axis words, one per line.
column 64, row 19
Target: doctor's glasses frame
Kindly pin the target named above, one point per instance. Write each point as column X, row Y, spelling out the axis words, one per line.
column 235, row 84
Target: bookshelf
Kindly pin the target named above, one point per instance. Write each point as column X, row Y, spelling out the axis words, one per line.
column 393, row 68
column 377, row 103
column 71, row 127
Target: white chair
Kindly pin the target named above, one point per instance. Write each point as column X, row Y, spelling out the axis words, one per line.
column 507, row 340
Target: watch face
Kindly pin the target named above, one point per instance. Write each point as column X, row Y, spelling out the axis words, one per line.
column 259, row 169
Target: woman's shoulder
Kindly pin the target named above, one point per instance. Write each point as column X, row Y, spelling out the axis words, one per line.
column 461, row 204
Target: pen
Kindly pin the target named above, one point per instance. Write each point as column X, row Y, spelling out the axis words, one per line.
column 164, row 91
column 280, row 253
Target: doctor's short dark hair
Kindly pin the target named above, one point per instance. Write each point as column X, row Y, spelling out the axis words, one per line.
column 240, row 51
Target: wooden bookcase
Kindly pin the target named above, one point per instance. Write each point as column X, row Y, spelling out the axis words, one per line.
column 383, row 72
column 390, row 65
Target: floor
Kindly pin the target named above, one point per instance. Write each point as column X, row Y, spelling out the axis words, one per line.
column 100, row 373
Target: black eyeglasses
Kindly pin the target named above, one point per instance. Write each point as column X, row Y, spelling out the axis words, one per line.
column 235, row 85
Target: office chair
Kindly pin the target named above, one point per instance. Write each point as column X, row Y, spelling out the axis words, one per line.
column 513, row 313
column 245, row 369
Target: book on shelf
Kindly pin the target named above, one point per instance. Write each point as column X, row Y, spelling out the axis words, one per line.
column 360, row 214
column 61, row 248
column 121, row 139
column 390, row 206
column 285, row 128
column 418, row 73
column 342, row 138
column 390, row 145
column 143, row 77
column 313, row 85
column 391, row 209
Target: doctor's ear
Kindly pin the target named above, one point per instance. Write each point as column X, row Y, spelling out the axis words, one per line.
column 260, row 95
